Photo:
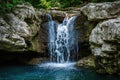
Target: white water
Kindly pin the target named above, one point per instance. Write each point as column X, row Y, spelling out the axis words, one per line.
column 58, row 65
column 62, row 40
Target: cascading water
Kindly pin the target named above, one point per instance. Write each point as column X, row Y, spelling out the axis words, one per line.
column 62, row 40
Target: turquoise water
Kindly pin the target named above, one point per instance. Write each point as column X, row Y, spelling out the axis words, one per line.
column 48, row 72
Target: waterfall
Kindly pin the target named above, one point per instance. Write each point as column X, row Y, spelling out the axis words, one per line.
column 62, row 40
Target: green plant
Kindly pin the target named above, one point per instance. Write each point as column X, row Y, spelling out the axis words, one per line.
column 7, row 5
column 44, row 4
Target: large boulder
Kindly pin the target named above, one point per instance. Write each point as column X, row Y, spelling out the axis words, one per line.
column 100, row 11
column 17, row 29
column 12, row 33
column 105, row 45
column 104, row 39
column 19, row 33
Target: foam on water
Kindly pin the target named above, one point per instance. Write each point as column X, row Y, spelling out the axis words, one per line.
column 58, row 65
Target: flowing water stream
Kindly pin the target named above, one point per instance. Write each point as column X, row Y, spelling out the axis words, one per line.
column 62, row 40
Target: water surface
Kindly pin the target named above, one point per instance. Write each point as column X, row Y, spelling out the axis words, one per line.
column 50, row 71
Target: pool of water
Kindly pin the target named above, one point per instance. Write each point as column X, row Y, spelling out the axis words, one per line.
column 51, row 71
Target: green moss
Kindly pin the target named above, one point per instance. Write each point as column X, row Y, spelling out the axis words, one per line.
column 104, row 61
column 95, row 44
column 97, row 33
column 87, row 62
column 111, row 70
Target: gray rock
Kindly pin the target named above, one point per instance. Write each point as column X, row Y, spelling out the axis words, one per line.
column 24, row 11
column 17, row 29
column 12, row 31
column 105, row 42
column 83, row 28
column 87, row 62
column 98, row 11
column 57, row 15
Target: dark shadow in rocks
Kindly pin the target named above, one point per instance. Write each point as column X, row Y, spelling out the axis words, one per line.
column 21, row 58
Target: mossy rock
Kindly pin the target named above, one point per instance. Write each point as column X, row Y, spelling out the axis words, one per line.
column 87, row 62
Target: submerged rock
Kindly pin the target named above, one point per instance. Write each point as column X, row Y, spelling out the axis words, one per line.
column 105, row 45
column 99, row 11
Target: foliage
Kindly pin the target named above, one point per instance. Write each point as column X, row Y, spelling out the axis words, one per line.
column 58, row 3
column 44, row 4
column 64, row 3
column 7, row 5
column 33, row 2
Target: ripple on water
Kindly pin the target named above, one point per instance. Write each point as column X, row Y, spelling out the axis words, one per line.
column 51, row 71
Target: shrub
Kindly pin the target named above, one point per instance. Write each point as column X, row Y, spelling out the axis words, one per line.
column 7, row 5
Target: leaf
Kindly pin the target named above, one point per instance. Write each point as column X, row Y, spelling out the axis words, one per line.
column 9, row 5
column 14, row 2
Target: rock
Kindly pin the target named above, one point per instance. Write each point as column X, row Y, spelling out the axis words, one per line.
column 27, row 13
column 104, row 39
column 35, row 61
column 19, row 34
column 57, row 15
column 100, row 11
column 83, row 29
column 105, row 45
column 12, row 31
column 86, row 62
column 24, row 11
column 19, row 29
